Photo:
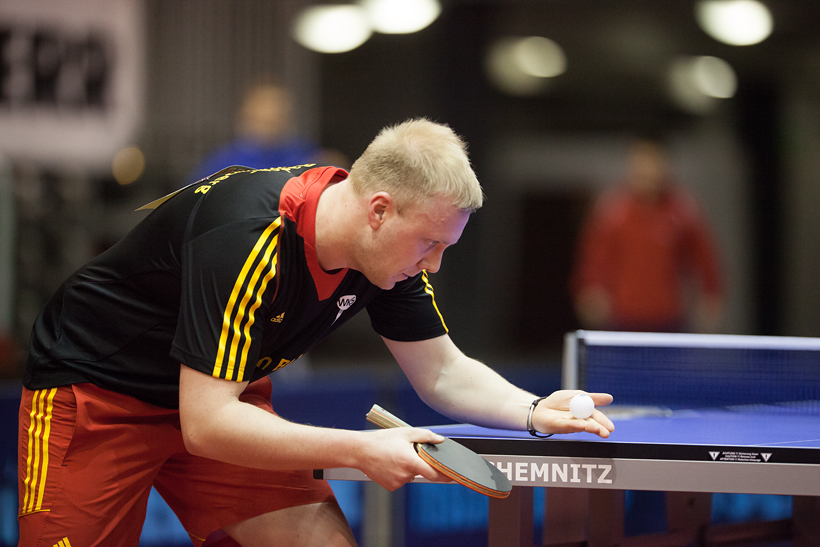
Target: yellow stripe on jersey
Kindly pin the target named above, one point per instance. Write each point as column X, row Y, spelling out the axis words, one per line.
column 428, row 288
column 39, row 430
column 231, row 327
column 258, row 302
column 240, row 314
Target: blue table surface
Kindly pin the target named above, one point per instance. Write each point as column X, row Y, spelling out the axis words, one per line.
column 771, row 427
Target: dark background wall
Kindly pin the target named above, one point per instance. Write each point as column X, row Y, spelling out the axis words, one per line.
column 503, row 289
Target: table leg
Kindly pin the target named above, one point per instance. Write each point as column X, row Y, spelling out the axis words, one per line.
column 510, row 521
column 565, row 518
column 605, row 522
column 380, row 516
column 688, row 515
column 806, row 520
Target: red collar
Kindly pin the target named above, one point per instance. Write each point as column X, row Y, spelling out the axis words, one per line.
column 298, row 202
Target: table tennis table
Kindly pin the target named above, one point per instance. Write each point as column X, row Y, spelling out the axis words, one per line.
column 723, row 428
column 759, row 449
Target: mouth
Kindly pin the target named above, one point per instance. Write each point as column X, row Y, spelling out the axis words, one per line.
column 401, row 276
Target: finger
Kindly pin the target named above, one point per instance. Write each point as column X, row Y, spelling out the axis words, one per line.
column 442, row 478
column 598, row 429
column 430, row 473
column 599, row 424
column 389, row 484
column 601, row 399
column 570, row 424
column 436, row 476
column 604, row 420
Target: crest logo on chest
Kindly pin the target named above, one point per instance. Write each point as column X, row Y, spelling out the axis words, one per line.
column 344, row 303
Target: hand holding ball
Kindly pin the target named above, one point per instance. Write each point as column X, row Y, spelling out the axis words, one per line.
column 581, row 406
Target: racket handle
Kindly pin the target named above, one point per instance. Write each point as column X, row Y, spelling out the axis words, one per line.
column 384, row 419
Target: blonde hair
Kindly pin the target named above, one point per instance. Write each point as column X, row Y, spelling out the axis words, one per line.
column 414, row 161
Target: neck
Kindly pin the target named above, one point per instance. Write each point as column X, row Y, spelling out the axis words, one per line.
column 332, row 221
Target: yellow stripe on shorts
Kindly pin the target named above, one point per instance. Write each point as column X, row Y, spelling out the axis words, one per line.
column 39, row 429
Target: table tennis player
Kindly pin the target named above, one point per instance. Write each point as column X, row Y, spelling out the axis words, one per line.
column 150, row 365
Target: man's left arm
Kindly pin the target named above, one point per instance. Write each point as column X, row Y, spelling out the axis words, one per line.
column 466, row 390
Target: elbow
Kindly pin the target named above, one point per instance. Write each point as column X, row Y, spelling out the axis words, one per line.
column 195, row 438
column 191, row 441
column 203, row 403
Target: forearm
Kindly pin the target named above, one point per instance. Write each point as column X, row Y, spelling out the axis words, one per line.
column 469, row 391
column 485, row 398
column 245, row 435
column 460, row 387
column 472, row 392
column 216, row 424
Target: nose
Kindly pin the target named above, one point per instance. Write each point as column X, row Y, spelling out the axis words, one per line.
column 431, row 261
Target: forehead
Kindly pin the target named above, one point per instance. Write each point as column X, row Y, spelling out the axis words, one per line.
column 437, row 218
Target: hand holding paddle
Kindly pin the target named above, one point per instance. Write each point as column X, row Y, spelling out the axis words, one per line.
column 452, row 460
column 388, row 457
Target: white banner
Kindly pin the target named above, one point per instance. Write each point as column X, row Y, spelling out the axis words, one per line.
column 71, row 79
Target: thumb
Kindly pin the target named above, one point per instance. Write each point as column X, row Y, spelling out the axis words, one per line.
column 428, row 436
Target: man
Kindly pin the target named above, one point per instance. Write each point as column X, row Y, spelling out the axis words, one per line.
column 643, row 249
column 265, row 135
column 149, row 366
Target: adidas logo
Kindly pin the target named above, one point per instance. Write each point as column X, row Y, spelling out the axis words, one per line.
column 278, row 318
column 63, row 543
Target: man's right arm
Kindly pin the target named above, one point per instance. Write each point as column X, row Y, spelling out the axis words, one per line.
column 217, row 425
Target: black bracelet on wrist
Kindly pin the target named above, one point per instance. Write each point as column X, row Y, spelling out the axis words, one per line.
column 530, row 428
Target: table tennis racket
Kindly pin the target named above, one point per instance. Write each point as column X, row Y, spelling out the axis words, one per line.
column 452, row 460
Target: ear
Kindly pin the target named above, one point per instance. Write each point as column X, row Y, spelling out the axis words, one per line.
column 379, row 207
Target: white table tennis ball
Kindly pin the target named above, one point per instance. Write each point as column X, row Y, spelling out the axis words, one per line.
column 581, row 406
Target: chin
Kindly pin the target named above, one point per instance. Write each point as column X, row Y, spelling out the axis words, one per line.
column 384, row 284
column 385, row 281
column 387, row 284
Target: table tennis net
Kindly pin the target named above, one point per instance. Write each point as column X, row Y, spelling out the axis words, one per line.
column 695, row 371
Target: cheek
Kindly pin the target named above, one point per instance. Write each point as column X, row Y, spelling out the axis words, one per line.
column 401, row 249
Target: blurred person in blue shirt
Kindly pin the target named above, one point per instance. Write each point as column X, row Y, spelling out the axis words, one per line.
column 264, row 136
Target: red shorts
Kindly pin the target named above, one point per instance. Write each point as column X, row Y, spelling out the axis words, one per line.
column 88, row 458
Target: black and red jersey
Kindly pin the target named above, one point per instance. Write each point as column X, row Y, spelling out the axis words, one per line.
column 222, row 277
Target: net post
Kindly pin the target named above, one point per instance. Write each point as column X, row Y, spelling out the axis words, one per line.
column 569, row 363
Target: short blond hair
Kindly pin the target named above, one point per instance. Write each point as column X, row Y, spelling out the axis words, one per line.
column 416, row 160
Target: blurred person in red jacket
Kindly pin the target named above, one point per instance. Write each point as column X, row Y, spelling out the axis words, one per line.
column 647, row 259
